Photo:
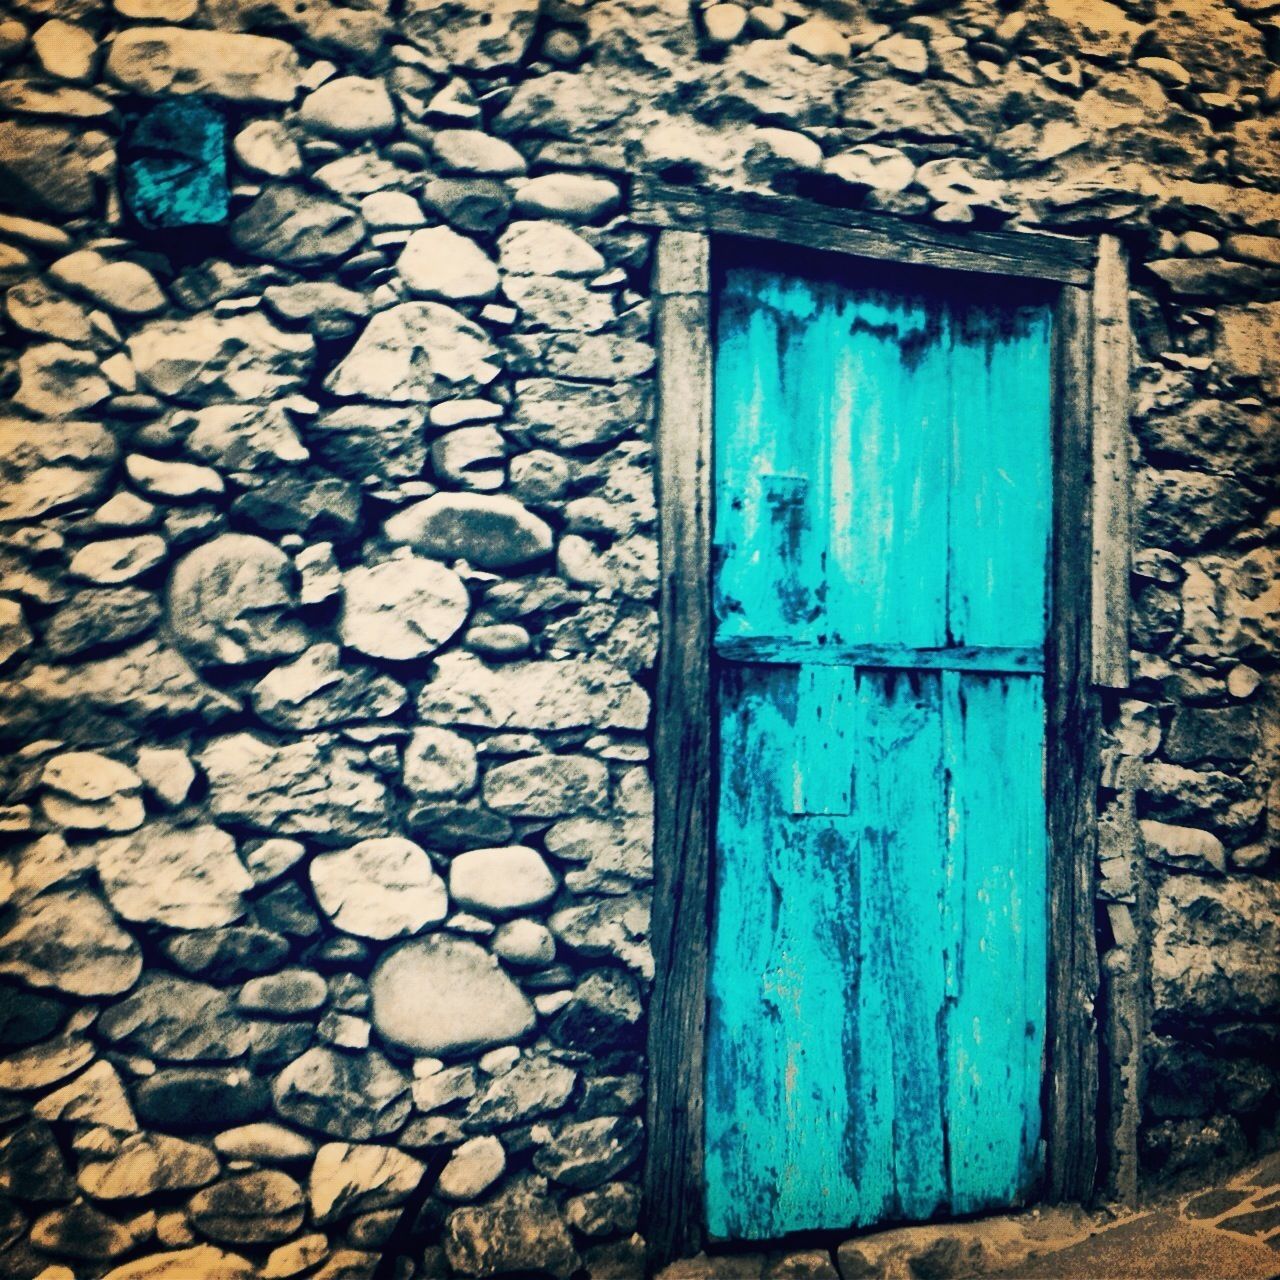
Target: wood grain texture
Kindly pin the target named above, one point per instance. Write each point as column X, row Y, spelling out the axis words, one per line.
column 1029, row 658
column 1071, row 1042
column 1111, row 343
column 683, row 752
column 792, row 220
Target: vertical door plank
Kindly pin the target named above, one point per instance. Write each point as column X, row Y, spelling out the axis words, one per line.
column 819, row 764
column 780, row 1083
column 1000, row 475
column 996, row 899
column 683, row 750
column 900, row 1107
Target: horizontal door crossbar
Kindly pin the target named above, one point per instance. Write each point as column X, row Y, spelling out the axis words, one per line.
column 788, row 651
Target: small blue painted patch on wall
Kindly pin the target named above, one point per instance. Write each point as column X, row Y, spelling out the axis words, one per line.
column 175, row 166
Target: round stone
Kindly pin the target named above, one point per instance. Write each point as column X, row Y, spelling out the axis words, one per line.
column 489, row 530
column 446, row 995
column 576, row 197
column 437, row 262
column 379, row 888
column 525, row 942
column 349, row 107
column 401, row 609
column 504, row 880
column 472, row 1169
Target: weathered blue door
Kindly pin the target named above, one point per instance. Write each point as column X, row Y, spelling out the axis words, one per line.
column 878, row 966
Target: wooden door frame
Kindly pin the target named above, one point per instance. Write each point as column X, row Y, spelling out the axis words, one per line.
column 1087, row 647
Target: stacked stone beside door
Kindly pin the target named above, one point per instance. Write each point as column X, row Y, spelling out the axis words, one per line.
column 327, row 622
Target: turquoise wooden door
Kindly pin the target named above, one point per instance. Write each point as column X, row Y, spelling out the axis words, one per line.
column 878, row 969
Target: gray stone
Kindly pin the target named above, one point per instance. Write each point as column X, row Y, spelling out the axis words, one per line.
column 292, row 225
column 264, row 1141
column 500, row 881
column 439, row 764
column 876, row 167
column 328, row 310
column 442, row 1087
column 315, row 690
column 204, row 1260
column 226, row 954
column 547, row 248
column 123, row 287
column 401, row 609
column 446, row 995
column 91, row 792
column 575, row 197
column 118, row 560
column 547, row 786
column 349, row 107
column 586, row 1153
column 93, row 619
column 607, row 856
column 239, row 357
column 524, row 942
column 243, row 437
column 539, row 694
column 85, row 1234
column 183, row 877
column 266, row 147
column 415, row 352
column 56, row 380
column 472, row 1169
column 476, row 35
column 27, row 1017
column 381, row 888
column 468, row 151
column 96, row 1098
column 347, row 1179
column 603, row 1013
column 1183, row 848
column 52, row 167
column 167, row 773
column 285, row 994
column 549, row 302
column 595, row 357
column 69, row 941
column 200, row 1097
column 178, row 1020
column 471, row 458
column 145, row 1164
column 350, row 1096
column 437, row 262
column 169, row 60
column 519, row 1230
column 489, row 530
column 316, row 785
column 32, row 1165
column 612, row 928
column 572, row 415
column 469, row 204
column 532, row 1088
column 611, row 1210
column 50, row 465
column 173, row 481
column 376, row 440
column 254, row 1208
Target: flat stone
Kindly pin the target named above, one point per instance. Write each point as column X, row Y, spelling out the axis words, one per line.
column 292, row 225
column 240, row 357
column 603, row 1013
column 583, row 1154
column 167, row 773
column 15, row 635
column 415, row 352
column 472, row 1169
column 469, row 151
column 27, row 1017
column 266, row 147
column 49, row 466
column 614, row 1209
column 538, row 694
column 575, row 197
column 519, row 1230
column 200, row 1097
column 316, row 690
column 381, row 888
column 123, row 287
column 348, row 1179
column 313, row 786
column 86, row 1234
column 174, row 60
column 178, row 1020
column 118, row 560
column 488, row 530
column 469, row 204
column 596, row 357
column 161, row 478
column 547, row 786
column 56, row 381
column 574, row 415
column 69, row 941
column 471, row 458
column 230, row 599
column 43, row 1065
column 285, row 994
column 316, row 506
column 439, row 764
column 94, row 619
column 146, row 1164
column 391, row 210
column 502, row 881
column 183, row 877
column 821, row 40
column 91, row 792
column 349, row 107
column 243, row 437
column 872, row 166
column 437, row 262
column 38, row 309
column 545, row 249
column 446, row 995
column 254, row 1208
column 295, row 1257
column 350, row 1096
column 48, row 167
column 96, row 1098
column 379, row 440
column 401, row 609
column 264, row 1141
column 205, row 1261
column 327, row 309
column 1184, row 848
column 616, row 928
column 226, row 954
column 550, row 302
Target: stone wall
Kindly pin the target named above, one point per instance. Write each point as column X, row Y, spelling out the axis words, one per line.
column 329, row 573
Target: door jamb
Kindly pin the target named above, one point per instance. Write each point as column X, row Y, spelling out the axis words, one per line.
column 1087, row 647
